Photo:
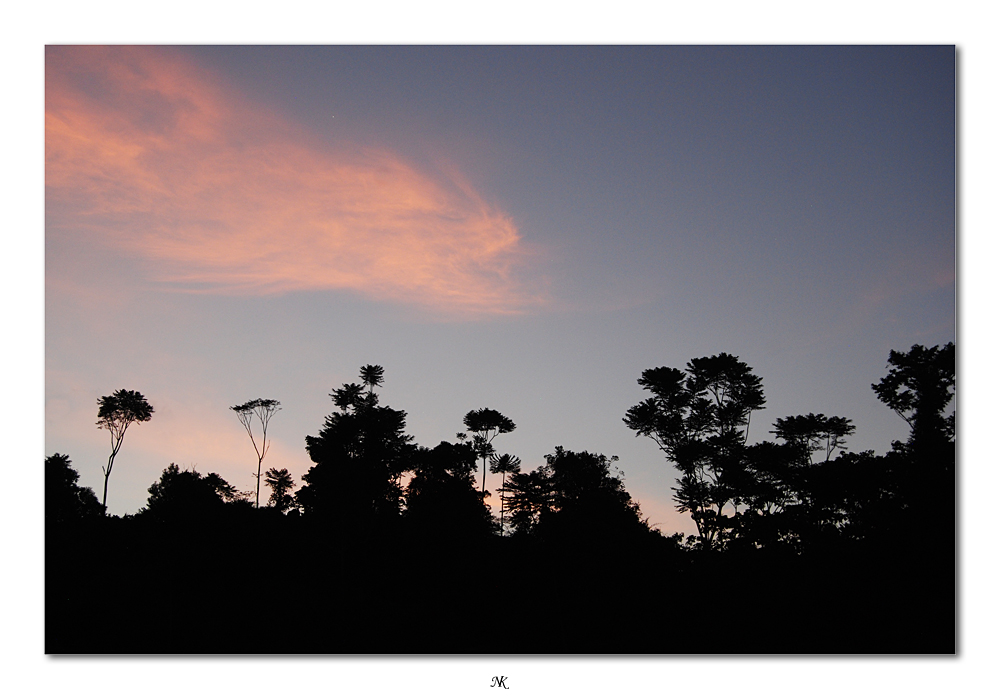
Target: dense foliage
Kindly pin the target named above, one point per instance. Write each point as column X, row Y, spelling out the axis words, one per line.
column 801, row 546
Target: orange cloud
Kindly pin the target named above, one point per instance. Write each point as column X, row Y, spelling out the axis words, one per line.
column 144, row 150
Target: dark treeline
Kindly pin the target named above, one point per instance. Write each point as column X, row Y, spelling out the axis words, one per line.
column 390, row 547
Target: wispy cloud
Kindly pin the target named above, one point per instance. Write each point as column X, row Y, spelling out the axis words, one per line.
column 147, row 152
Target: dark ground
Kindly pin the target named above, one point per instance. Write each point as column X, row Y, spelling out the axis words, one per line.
column 281, row 586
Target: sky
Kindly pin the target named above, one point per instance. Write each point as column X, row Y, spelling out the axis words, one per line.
column 520, row 228
column 967, row 23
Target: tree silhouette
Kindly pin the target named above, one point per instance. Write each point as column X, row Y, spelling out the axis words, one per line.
column 359, row 456
column 372, row 377
column 787, row 524
column 576, row 496
column 505, row 465
column 264, row 409
column 814, row 433
column 65, row 501
column 765, row 486
column 530, row 499
column 919, row 388
column 921, row 474
column 115, row 413
column 589, row 494
column 851, row 498
column 280, row 482
column 441, row 496
column 187, row 495
column 227, row 492
column 700, row 418
column 349, row 396
column 486, row 424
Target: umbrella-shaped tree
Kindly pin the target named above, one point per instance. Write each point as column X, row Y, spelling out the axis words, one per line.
column 486, row 424
column 264, row 409
column 115, row 413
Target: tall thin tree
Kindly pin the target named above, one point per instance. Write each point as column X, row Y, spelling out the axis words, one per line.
column 504, row 465
column 486, row 424
column 115, row 413
column 264, row 409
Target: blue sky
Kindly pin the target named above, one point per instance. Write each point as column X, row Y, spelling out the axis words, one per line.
column 869, row 22
column 521, row 228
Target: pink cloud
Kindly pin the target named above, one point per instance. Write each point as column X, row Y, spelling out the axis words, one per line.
column 909, row 273
column 148, row 153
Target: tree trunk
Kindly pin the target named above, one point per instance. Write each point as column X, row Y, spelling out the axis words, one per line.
column 107, row 475
column 257, row 501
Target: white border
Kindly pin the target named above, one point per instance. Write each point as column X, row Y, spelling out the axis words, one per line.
column 29, row 673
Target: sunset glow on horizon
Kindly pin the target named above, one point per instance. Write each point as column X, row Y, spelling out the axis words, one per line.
column 520, row 228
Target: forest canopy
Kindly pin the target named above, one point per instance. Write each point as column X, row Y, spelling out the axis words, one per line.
column 800, row 501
